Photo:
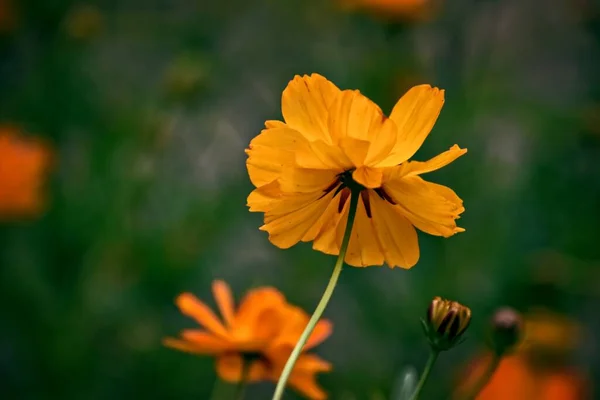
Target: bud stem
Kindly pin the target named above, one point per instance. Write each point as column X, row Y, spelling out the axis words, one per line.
column 485, row 378
column 337, row 269
column 432, row 358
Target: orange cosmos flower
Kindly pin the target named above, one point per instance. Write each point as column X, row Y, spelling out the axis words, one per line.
column 23, row 164
column 334, row 141
column 262, row 332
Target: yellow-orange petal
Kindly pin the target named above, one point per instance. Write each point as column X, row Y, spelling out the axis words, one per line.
column 329, row 213
column 305, row 103
column 383, row 141
column 368, row 177
column 192, row 307
column 294, row 216
column 194, row 347
column 205, row 342
column 258, row 314
column 265, row 197
column 306, row 362
column 329, row 238
column 437, row 162
column 304, row 180
column 322, row 331
column 395, row 233
column 274, row 124
column 306, row 384
column 414, row 114
column 268, row 152
column 303, row 378
column 364, row 249
column 320, row 155
column 430, row 207
column 224, row 299
column 353, row 115
column 296, row 320
column 355, row 149
column 312, row 363
column 230, row 367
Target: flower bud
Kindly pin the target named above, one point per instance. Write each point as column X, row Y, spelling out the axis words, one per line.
column 446, row 322
column 506, row 330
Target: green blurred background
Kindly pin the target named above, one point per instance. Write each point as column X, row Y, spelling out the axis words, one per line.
column 148, row 106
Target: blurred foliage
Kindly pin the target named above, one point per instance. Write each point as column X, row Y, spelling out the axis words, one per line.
column 149, row 106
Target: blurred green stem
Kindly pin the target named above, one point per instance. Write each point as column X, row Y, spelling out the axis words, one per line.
column 218, row 390
column 240, row 389
column 337, row 269
column 485, row 378
column 432, row 358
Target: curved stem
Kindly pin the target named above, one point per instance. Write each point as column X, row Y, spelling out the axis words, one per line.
column 485, row 378
column 337, row 269
column 432, row 358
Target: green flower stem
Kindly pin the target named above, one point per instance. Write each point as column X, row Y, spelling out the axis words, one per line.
column 219, row 390
column 289, row 365
column 485, row 378
column 432, row 358
column 241, row 386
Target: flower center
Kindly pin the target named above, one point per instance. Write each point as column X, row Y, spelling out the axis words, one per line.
column 345, row 181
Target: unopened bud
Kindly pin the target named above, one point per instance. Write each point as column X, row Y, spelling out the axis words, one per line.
column 446, row 322
column 506, row 330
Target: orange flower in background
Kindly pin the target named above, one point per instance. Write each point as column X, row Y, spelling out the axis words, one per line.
column 538, row 370
column 394, row 9
column 517, row 379
column 23, row 166
column 334, row 141
column 262, row 331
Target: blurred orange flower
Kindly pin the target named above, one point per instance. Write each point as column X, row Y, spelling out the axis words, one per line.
column 334, row 141
column 538, row 370
column 517, row 379
column 262, row 332
column 23, row 165
column 394, row 9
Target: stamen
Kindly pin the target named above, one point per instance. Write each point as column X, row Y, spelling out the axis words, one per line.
column 333, row 185
column 367, row 202
column 343, row 198
column 382, row 193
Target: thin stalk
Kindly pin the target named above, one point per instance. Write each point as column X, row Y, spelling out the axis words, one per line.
column 219, row 390
column 432, row 358
column 485, row 378
column 240, row 389
column 337, row 269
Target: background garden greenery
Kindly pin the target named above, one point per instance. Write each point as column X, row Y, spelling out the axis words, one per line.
column 149, row 106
